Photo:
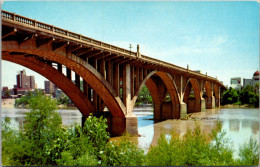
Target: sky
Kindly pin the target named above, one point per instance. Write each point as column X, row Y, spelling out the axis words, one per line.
column 220, row 38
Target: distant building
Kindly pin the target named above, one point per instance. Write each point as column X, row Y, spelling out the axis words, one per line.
column 253, row 81
column 49, row 87
column 5, row 88
column 24, row 83
column 236, row 83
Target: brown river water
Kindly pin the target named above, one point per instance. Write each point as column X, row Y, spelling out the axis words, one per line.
column 239, row 124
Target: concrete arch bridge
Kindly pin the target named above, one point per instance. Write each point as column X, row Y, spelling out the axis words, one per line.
column 112, row 77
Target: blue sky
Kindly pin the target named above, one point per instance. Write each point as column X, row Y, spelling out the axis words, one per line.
column 220, row 38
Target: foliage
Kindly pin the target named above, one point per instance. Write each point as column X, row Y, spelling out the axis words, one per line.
column 249, row 153
column 95, row 131
column 63, row 99
column 24, row 100
column 44, row 141
column 144, row 97
column 248, row 95
column 7, row 93
column 194, row 150
column 123, row 153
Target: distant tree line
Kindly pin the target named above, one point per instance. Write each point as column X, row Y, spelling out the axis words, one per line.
column 25, row 100
column 247, row 95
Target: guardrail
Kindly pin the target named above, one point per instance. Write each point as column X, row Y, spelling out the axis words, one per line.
column 30, row 22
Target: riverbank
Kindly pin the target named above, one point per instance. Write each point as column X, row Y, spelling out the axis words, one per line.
column 9, row 103
column 237, row 106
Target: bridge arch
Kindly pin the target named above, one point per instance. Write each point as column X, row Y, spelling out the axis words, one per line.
column 194, row 103
column 217, row 95
column 208, row 95
column 77, row 96
column 79, row 66
column 170, row 85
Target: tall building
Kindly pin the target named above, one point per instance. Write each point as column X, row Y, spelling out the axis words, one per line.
column 49, row 87
column 236, row 83
column 23, row 83
column 253, row 81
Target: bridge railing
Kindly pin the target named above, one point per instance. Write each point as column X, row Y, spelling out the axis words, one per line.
column 51, row 29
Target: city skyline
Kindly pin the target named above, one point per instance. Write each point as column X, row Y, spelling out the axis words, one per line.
column 220, row 38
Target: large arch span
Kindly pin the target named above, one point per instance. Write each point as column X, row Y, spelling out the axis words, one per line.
column 60, row 80
column 80, row 67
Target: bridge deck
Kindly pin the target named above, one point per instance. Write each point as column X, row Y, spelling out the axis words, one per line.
column 79, row 41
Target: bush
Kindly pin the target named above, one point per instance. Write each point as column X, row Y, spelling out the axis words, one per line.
column 192, row 150
column 249, row 153
column 44, row 141
column 123, row 153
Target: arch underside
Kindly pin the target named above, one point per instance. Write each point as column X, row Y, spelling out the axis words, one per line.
column 193, row 103
column 158, row 84
column 60, row 80
column 80, row 67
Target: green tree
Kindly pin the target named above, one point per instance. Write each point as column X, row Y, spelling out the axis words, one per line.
column 250, row 96
column 24, row 100
column 7, row 93
column 230, row 96
column 63, row 99
column 144, row 97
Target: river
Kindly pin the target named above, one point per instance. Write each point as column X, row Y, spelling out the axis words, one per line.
column 239, row 124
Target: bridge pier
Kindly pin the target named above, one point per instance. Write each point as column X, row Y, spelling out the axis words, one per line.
column 210, row 102
column 131, row 124
column 119, row 125
column 203, row 105
column 183, row 110
column 217, row 102
column 157, row 111
column 213, row 102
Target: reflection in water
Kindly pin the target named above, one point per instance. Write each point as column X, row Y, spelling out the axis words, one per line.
column 239, row 124
column 234, row 125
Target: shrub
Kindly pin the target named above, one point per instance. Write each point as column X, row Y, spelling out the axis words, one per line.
column 123, row 153
column 191, row 150
column 249, row 153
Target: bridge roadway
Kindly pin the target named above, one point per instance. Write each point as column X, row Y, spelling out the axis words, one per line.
column 112, row 77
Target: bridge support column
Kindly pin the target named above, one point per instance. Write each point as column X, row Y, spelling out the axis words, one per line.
column 120, row 125
column 130, row 118
column 157, row 111
column 131, row 124
column 217, row 102
column 203, row 105
column 210, row 102
column 213, row 102
column 183, row 110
